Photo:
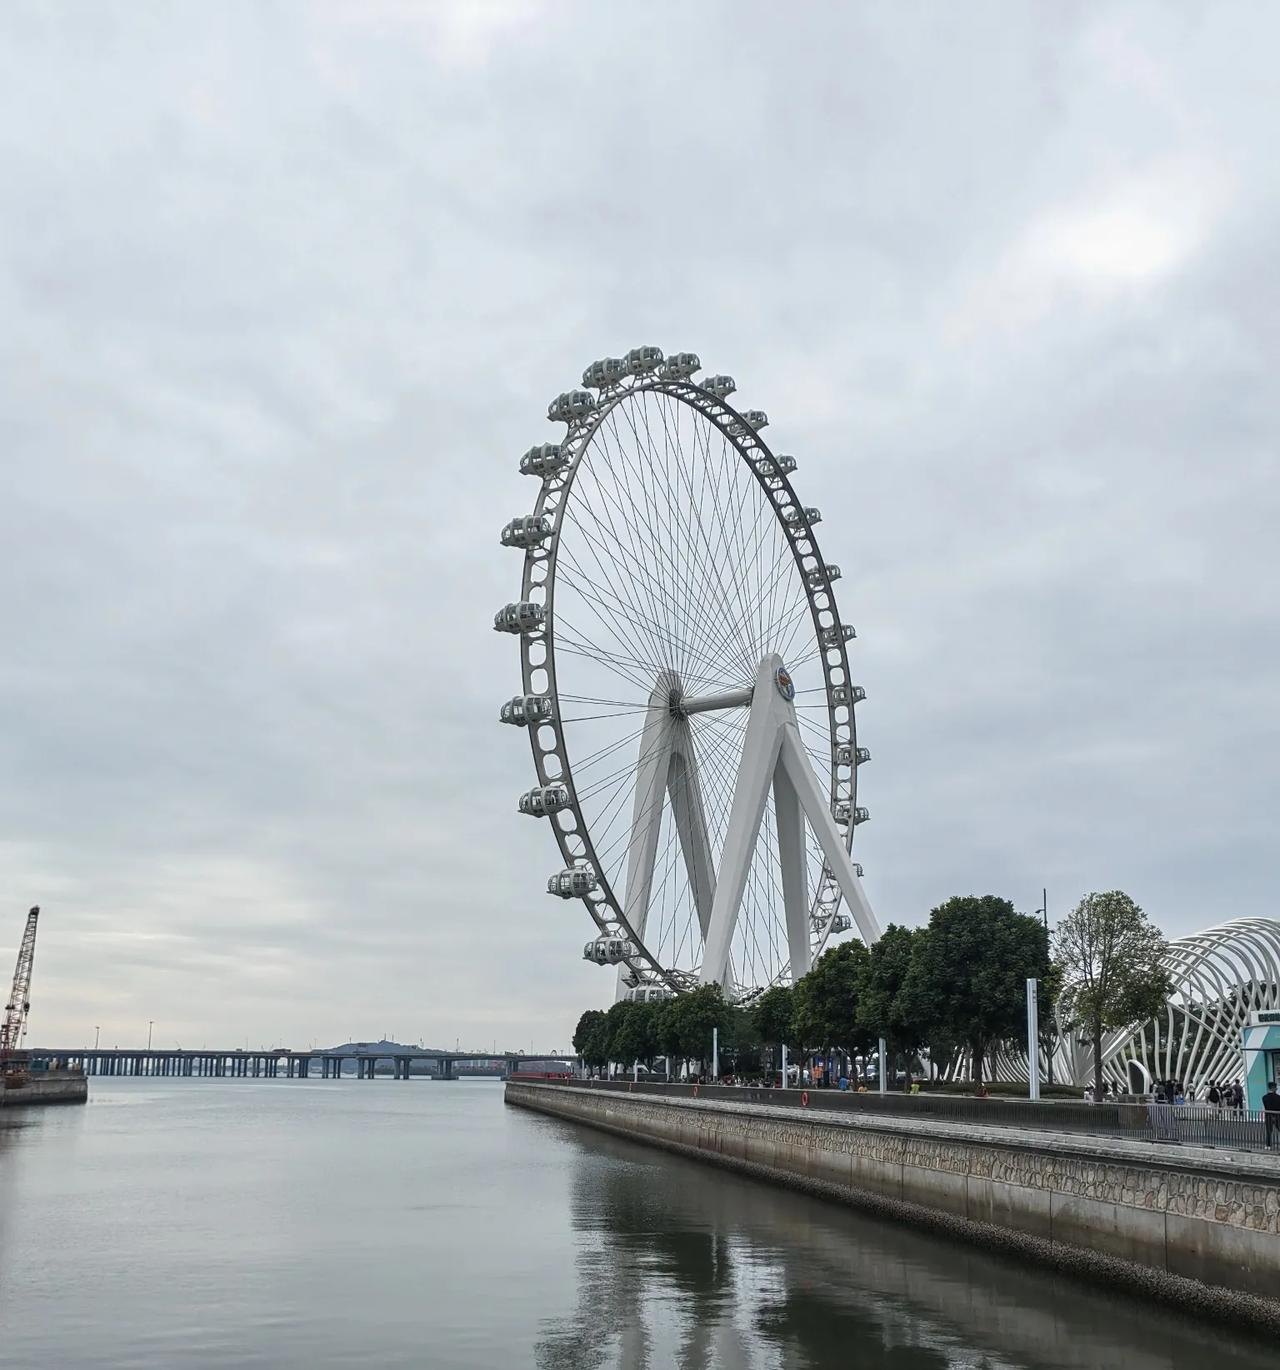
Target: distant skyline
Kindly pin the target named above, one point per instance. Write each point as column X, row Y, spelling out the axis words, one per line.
column 285, row 293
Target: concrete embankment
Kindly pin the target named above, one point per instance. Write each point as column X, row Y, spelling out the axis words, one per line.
column 1195, row 1227
column 65, row 1087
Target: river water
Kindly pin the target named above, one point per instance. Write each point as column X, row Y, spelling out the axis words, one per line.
column 176, row 1225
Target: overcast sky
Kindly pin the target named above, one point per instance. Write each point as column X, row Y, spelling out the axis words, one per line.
column 284, row 291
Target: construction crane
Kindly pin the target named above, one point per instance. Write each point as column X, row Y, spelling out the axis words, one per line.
column 19, row 1005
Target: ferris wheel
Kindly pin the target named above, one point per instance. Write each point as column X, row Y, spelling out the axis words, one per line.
column 684, row 663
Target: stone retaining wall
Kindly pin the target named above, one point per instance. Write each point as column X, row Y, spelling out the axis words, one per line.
column 66, row 1087
column 1116, row 1208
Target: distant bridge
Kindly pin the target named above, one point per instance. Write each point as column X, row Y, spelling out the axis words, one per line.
column 274, row 1064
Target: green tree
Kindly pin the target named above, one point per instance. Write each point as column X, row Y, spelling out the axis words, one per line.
column 968, row 974
column 636, row 1036
column 587, row 1024
column 884, row 1009
column 615, row 1031
column 772, row 1015
column 825, row 1001
column 591, row 1039
column 1113, row 968
column 740, row 1042
column 685, row 1023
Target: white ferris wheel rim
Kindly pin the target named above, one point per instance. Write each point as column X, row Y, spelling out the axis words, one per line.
column 548, row 740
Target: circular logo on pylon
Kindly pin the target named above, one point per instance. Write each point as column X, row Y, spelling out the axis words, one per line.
column 786, row 686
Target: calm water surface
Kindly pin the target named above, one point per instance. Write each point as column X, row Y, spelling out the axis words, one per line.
column 181, row 1224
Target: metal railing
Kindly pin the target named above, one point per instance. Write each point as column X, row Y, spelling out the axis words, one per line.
column 1224, row 1129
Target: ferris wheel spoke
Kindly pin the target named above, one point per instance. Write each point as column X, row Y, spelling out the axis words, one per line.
column 676, row 532
column 680, row 602
column 638, row 576
column 646, row 594
column 695, row 571
column 714, row 564
column 782, row 630
column 631, row 606
column 749, row 540
column 766, row 642
column 661, row 646
column 572, row 644
column 644, row 668
column 709, row 587
column 593, row 758
column 670, row 650
column 747, row 547
column 632, row 765
column 626, row 704
column 662, row 579
column 596, row 718
column 709, row 554
column 641, row 671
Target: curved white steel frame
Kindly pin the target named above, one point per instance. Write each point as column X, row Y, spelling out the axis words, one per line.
column 1220, row 976
column 667, row 770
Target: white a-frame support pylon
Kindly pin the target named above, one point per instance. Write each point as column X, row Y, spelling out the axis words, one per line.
column 667, row 767
column 773, row 754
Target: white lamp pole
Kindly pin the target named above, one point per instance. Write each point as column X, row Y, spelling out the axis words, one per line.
column 884, row 1084
column 1033, row 1040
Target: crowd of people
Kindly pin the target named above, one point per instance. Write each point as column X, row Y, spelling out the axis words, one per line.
column 1219, row 1096
column 1224, row 1096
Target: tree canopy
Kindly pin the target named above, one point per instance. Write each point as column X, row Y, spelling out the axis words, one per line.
column 1112, row 961
column 685, row 1023
column 884, row 1010
column 967, row 980
column 825, row 1001
column 772, row 1012
column 591, row 1039
column 633, row 1032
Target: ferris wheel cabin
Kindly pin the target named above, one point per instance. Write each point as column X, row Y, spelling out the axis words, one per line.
column 570, row 406
column 524, row 617
column 526, row 709
column 544, row 799
column 544, row 460
column 641, row 360
column 608, row 951
column 574, row 882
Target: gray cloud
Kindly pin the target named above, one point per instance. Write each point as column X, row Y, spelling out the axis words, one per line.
column 285, row 292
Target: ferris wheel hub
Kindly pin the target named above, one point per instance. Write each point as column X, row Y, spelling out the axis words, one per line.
column 705, row 704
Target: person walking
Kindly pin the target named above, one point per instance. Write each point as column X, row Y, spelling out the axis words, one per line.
column 1215, row 1096
column 1237, row 1096
column 1271, row 1111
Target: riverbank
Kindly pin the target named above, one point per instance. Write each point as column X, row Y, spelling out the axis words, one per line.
column 1188, row 1226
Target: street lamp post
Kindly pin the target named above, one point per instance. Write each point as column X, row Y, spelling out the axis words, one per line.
column 97, row 1032
column 1033, row 1039
column 151, row 1022
column 1043, row 911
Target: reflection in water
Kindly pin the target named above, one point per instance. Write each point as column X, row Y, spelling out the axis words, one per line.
column 819, row 1331
column 680, row 1264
